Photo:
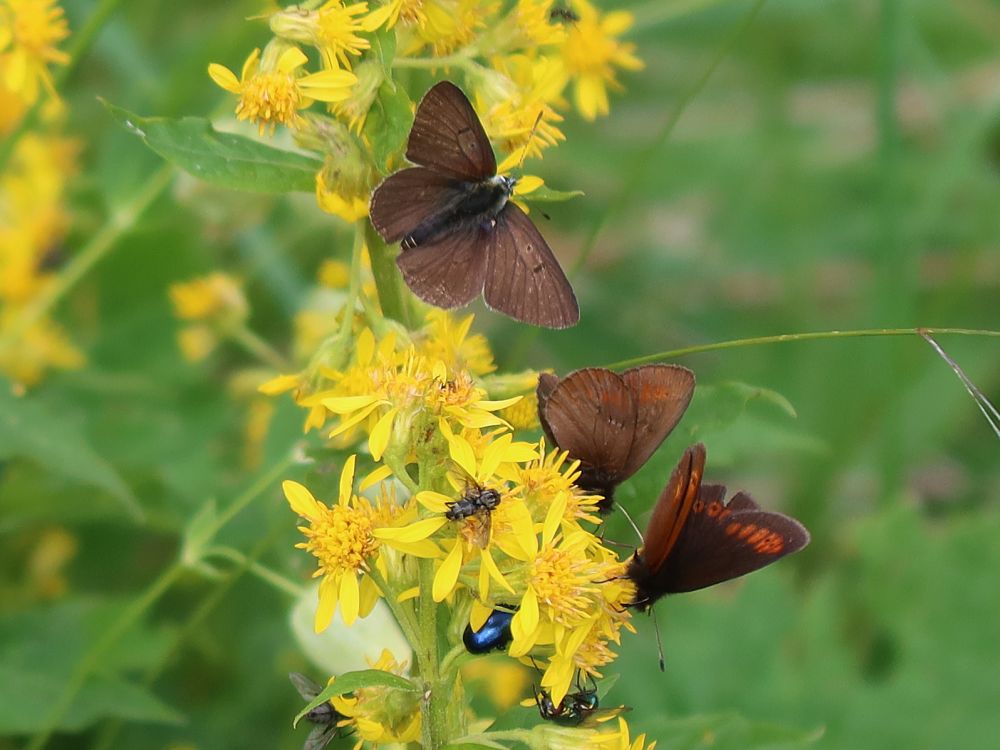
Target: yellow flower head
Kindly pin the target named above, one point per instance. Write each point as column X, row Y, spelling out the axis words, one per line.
column 448, row 339
column 552, row 478
column 405, row 12
column 451, row 24
column 214, row 297
column 43, row 346
column 592, row 52
column 30, row 31
column 271, row 90
column 341, row 539
column 381, row 715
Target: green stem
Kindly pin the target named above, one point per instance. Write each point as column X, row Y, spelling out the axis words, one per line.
column 459, row 59
column 93, row 659
column 655, row 13
column 259, row 348
column 79, row 45
column 263, row 572
column 435, row 706
column 392, row 295
column 786, row 337
column 402, row 612
column 354, row 288
column 98, row 246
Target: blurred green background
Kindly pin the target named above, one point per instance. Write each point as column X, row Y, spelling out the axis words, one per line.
column 838, row 170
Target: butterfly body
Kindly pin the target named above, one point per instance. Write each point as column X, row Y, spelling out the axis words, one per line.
column 695, row 539
column 460, row 233
column 474, row 204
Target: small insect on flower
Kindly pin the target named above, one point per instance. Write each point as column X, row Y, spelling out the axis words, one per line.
column 694, row 540
column 324, row 716
column 494, row 634
column 461, row 234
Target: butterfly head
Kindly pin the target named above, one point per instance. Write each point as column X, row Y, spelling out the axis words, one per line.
column 505, row 181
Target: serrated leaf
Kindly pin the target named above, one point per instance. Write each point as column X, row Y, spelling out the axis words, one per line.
column 223, row 159
column 388, row 124
column 30, row 431
column 351, row 681
column 546, row 194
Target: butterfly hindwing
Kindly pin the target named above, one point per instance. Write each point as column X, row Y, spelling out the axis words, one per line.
column 448, row 272
column 523, row 277
column 447, row 136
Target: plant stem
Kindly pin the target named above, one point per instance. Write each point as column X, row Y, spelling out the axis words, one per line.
column 402, row 612
column 79, row 45
column 263, row 572
column 435, row 706
column 259, row 348
column 786, row 337
column 392, row 295
column 98, row 246
column 460, row 59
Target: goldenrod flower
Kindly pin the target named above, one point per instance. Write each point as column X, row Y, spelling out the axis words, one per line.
column 338, row 27
column 591, row 53
column 624, row 743
column 30, row 31
column 211, row 297
column 381, row 715
column 552, row 477
column 342, row 540
column 272, row 92
column 448, row 339
column 451, row 24
column 406, row 12
column 41, row 347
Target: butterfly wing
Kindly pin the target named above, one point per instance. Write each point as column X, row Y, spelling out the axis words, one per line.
column 547, row 383
column 523, row 277
column 408, row 198
column 449, row 272
column 447, row 136
column 671, row 513
column 591, row 415
column 661, row 394
column 720, row 542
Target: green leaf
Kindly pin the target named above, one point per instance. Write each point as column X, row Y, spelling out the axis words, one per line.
column 548, row 195
column 384, row 47
column 198, row 533
column 721, row 404
column 223, row 159
column 388, row 124
column 351, row 681
column 30, row 431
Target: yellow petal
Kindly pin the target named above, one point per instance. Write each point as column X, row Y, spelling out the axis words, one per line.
column 490, row 566
column 434, row 501
column 278, row 385
column 492, row 456
column 350, row 598
column 224, row 77
column 301, row 500
column 484, row 582
column 250, row 65
column 378, row 441
column 327, row 603
column 497, row 405
column 347, row 424
column 460, row 450
column 447, row 575
column 414, row 532
column 291, row 59
column 479, row 614
column 377, row 17
column 328, row 85
column 423, row 548
column 347, row 480
column 364, row 348
column 347, row 404
column 554, row 518
column 380, row 474
column 529, row 183
column 411, row 593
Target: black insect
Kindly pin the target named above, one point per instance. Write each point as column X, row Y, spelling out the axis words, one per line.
column 460, row 234
column 324, row 716
column 475, row 500
column 563, row 14
column 571, row 711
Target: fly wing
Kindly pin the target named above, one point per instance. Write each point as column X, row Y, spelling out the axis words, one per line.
column 661, row 394
column 591, row 414
column 448, row 137
column 306, row 687
column 408, row 198
column 320, row 737
column 523, row 277
column 720, row 542
column 448, row 273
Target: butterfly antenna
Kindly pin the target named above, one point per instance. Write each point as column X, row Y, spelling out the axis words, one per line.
column 985, row 406
column 659, row 642
column 630, row 521
column 527, row 145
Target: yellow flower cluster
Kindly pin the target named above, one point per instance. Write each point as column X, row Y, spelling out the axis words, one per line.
column 33, row 217
column 455, row 512
column 517, row 60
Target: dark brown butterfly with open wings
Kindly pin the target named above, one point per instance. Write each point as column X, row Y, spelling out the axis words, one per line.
column 460, row 233
column 612, row 423
column 694, row 540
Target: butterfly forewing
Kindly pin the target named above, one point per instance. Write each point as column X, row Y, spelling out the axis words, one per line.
column 592, row 416
column 673, row 509
column 447, row 273
column 448, row 137
column 523, row 277
column 720, row 542
column 408, row 199
column 662, row 394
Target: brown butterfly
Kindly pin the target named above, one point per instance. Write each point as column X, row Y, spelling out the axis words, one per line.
column 461, row 235
column 612, row 423
column 694, row 540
